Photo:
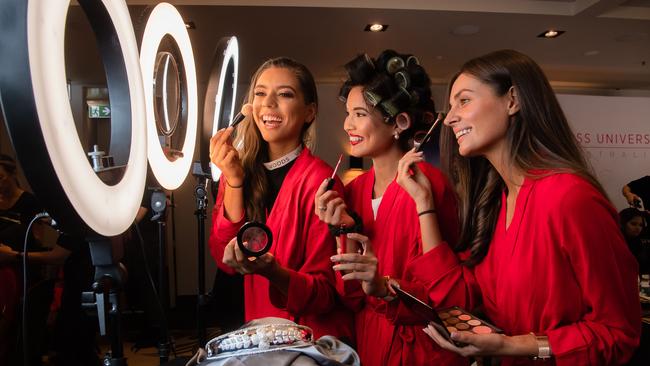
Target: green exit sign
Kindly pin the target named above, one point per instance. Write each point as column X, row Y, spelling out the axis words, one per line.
column 99, row 111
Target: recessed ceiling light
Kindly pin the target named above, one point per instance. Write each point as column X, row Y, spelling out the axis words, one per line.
column 190, row 25
column 376, row 27
column 551, row 33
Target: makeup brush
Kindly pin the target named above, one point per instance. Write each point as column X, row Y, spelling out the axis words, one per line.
column 246, row 110
column 426, row 137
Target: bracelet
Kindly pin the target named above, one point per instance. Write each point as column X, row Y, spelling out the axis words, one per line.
column 231, row 186
column 425, row 212
column 543, row 348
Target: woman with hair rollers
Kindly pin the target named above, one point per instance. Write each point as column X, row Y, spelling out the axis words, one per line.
column 547, row 260
column 388, row 101
column 273, row 179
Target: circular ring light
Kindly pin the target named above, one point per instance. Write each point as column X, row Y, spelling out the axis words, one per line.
column 165, row 19
column 38, row 115
column 220, row 97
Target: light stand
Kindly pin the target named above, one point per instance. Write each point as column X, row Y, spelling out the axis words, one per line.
column 201, row 195
column 105, row 297
column 158, row 205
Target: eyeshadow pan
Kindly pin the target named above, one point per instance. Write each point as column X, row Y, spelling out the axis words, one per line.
column 451, row 329
column 455, row 312
column 462, row 326
column 482, row 329
column 464, row 317
column 474, row 322
column 452, row 321
column 443, row 315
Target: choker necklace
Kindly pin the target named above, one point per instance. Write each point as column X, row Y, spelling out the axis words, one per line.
column 279, row 163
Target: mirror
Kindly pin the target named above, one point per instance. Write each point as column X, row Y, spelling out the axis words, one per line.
column 254, row 239
column 167, row 92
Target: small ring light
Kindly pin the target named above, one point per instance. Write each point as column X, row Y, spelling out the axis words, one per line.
column 165, row 19
column 220, row 96
column 254, row 239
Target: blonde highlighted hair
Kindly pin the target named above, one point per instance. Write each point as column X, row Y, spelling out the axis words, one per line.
column 253, row 150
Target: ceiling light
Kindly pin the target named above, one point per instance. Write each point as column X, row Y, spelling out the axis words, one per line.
column 376, row 27
column 551, row 33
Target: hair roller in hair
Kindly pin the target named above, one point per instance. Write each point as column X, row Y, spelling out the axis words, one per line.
column 402, row 79
column 394, row 64
column 412, row 60
column 371, row 97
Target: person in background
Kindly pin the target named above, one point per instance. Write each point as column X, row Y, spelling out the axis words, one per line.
column 388, row 105
column 547, row 260
column 273, row 179
column 637, row 192
column 633, row 223
column 17, row 209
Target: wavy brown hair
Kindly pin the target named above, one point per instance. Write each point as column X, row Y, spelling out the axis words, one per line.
column 254, row 151
column 539, row 139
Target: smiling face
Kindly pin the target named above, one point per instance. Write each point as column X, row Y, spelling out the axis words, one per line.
column 369, row 134
column 479, row 118
column 279, row 108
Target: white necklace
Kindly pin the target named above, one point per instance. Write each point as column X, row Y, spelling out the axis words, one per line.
column 280, row 162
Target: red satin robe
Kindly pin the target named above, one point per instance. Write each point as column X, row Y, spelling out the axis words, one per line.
column 302, row 244
column 389, row 333
column 561, row 269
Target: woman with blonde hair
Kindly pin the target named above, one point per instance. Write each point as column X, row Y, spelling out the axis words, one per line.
column 273, row 179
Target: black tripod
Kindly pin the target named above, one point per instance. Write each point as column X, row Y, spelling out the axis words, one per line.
column 158, row 205
column 105, row 297
column 201, row 196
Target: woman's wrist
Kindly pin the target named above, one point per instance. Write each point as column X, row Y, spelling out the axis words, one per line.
column 234, row 183
column 521, row 346
column 424, row 204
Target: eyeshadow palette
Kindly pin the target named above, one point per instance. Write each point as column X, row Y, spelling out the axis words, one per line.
column 456, row 319
column 447, row 320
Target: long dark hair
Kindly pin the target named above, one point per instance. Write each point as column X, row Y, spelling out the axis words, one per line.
column 393, row 83
column 539, row 139
column 254, row 151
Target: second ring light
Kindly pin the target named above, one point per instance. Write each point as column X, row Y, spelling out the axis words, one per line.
column 163, row 20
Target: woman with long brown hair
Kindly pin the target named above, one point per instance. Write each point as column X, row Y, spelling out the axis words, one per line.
column 547, row 261
column 272, row 178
